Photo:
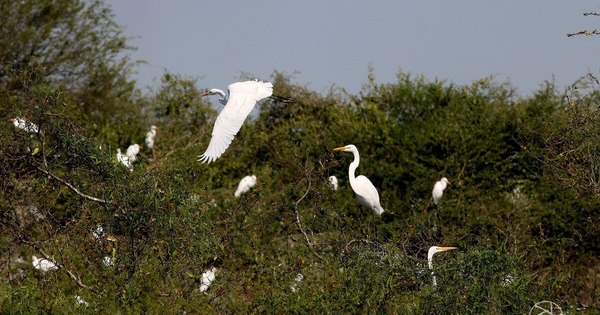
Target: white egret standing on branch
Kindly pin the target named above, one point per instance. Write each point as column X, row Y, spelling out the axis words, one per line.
column 365, row 190
column 438, row 190
column 245, row 184
column 239, row 102
column 432, row 251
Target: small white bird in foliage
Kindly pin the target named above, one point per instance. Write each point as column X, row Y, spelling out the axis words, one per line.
column 432, row 251
column 108, row 261
column 438, row 190
column 123, row 159
column 81, row 301
column 25, row 125
column 98, row 232
column 365, row 190
column 150, row 136
column 333, row 181
column 297, row 280
column 132, row 152
column 239, row 102
column 43, row 264
column 245, row 184
column 208, row 276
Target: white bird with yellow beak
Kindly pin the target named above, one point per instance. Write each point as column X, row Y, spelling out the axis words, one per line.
column 365, row 190
column 432, row 251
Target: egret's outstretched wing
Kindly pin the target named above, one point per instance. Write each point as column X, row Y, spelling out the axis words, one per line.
column 242, row 98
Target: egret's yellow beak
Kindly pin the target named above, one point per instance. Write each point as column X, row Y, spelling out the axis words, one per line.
column 447, row 248
column 339, row 149
column 205, row 94
column 449, row 183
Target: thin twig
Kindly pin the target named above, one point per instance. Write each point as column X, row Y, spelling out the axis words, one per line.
column 310, row 245
column 73, row 188
column 60, row 266
column 591, row 13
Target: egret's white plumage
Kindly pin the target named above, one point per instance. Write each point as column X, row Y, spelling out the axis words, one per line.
column 297, row 280
column 365, row 190
column 43, row 264
column 98, row 232
column 150, row 136
column 239, row 103
column 245, row 184
column 25, row 125
column 123, row 159
column 132, row 152
column 438, row 190
column 108, row 261
column 81, row 301
column 432, row 251
column 208, row 276
column 333, row 181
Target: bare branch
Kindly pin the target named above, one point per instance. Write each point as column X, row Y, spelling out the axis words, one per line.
column 73, row 188
column 60, row 266
column 591, row 13
column 310, row 245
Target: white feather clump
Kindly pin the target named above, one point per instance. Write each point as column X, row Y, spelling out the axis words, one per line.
column 208, row 276
column 108, row 261
column 245, row 184
column 25, row 125
column 43, row 264
column 81, row 301
column 297, row 280
column 150, row 136
column 333, row 181
column 98, row 232
column 129, row 157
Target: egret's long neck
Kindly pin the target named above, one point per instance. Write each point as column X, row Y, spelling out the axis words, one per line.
column 430, row 262
column 353, row 167
column 223, row 98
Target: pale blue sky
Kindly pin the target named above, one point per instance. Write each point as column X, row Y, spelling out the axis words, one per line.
column 334, row 42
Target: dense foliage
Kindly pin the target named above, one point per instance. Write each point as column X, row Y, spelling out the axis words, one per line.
column 523, row 207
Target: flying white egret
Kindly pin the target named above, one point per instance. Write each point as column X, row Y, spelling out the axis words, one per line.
column 333, row 182
column 245, row 184
column 365, row 190
column 432, row 251
column 438, row 189
column 239, row 102
column 43, row 264
column 208, row 276
column 150, row 136
column 25, row 125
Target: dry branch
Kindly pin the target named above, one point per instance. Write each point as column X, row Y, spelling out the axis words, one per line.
column 73, row 188
column 310, row 245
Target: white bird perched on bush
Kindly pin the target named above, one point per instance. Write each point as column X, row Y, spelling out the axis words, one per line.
column 365, row 190
column 239, row 102
column 333, row 181
column 132, row 152
column 208, row 276
column 25, row 125
column 43, row 264
column 150, row 136
column 123, row 159
column 129, row 157
column 438, row 190
column 432, row 251
column 245, row 184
